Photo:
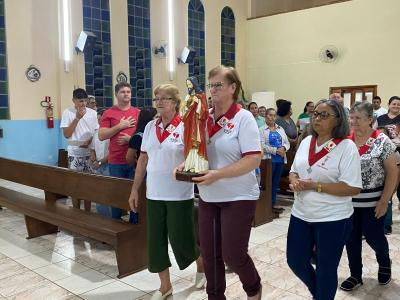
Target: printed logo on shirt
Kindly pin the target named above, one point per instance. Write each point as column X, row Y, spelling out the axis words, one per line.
column 174, row 138
column 323, row 162
column 229, row 128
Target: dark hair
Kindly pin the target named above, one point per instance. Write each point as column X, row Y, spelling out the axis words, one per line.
column 283, row 107
column 377, row 98
column 101, row 111
column 279, row 102
column 393, row 98
column 121, row 85
column 248, row 106
column 305, row 107
column 79, row 94
column 231, row 75
column 341, row 130
column 145, row 116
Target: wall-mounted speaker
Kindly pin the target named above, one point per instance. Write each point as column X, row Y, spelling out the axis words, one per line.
column 86, row 41
column 187, row 55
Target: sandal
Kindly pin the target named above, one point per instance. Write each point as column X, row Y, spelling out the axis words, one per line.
column 350, row 284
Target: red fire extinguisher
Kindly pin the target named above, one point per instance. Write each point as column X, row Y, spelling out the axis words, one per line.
column 46, row 103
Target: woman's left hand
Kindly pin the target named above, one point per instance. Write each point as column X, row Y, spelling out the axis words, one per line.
column 209, row 177
column 308, row 184
column 381, row 208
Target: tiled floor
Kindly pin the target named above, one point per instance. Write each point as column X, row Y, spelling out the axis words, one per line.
column 67, row 266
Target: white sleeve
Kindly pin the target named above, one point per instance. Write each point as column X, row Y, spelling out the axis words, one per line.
column 350, row 165
column 145, row 139
column 285, row 140
column 65, row 119
column 301, row 151
column 249, row 135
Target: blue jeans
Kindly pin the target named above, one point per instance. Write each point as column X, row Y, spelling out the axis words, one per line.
column 122, row 171
column 329, row 239
column 277, row 169
column 364, row 222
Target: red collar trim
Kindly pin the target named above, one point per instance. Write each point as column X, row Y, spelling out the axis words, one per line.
column 314, row 157
column 218, row 124
column 370, row 141
column 168, row 129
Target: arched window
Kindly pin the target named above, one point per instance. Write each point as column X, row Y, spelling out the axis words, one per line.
column 197, row 40
column 4, row 105
column 227, row 37
column 140, row 52
column 98, row 61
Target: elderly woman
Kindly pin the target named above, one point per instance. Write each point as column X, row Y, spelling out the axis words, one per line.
column 379, row 178
column 229, row 190
column 169, row 202
column 325, row 174
column 274, row 143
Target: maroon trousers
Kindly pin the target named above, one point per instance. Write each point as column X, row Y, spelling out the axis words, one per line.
column 224, row 230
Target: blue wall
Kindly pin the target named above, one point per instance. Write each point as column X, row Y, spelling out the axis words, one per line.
column 31, row 140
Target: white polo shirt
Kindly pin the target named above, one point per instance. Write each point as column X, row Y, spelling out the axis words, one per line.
column 341, row 164
column 238, row 137
column 83, row 131
column 163, row 158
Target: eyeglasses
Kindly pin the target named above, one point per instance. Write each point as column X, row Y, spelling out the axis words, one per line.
column 162, row 99
column 323, row 115
column 217, row 85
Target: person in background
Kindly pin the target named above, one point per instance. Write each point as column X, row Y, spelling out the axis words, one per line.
column 391, row 122
column 339, row 99
column 262, row 110
column 170, row 203
column 378, row 109
column 305, row 117
column 253, row 108
column 379, row 177
column 322, row 210
column 285, row 121
column 274, row 143
column 79, row 124
column 99, row 151
column 118, row 124
column 146, row 115
column 91, row 103
column 229, row 190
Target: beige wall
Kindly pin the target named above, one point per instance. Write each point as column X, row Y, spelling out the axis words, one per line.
column 283, row 50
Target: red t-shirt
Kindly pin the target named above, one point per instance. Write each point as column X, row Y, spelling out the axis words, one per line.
column 111, row 117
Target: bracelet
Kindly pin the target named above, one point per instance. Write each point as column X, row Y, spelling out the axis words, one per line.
column 319, row 187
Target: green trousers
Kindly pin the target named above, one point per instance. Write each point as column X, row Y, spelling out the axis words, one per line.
column 171, row 220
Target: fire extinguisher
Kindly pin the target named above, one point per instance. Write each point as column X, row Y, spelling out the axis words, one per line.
column 46, row 103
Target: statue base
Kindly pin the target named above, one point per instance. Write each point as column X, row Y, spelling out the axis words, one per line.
column 186, row 176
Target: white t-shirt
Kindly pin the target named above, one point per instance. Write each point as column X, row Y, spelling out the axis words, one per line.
column 163, row 158
column 379, row 112
column 99, row 147
column 239, row 137
column 83, row 131
column 342, row 164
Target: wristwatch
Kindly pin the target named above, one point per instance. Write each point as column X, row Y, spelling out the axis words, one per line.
column 319, row 187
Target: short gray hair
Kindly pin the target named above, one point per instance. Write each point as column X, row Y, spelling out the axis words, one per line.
column 342, row 129
column 363, row 107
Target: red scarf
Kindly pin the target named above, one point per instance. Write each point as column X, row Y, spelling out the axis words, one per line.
column 370, row 141
column 168, row 129
column 314, row 157
column 213, row 128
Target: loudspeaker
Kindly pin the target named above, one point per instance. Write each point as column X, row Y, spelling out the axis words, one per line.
column 85, row 41
column 187, row 55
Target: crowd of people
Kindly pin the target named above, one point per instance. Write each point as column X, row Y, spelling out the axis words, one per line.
column 343, row 177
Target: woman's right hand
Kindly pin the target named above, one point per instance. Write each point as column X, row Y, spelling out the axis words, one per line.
column 179, row 169
column 296, row 185
column 134, row 200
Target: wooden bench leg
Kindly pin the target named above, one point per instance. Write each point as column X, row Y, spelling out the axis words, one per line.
column 37, row 228
column 131, row 257
column 87, row 204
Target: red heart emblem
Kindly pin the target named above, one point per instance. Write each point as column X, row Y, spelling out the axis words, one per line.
column 230, row 125
column 176, row 135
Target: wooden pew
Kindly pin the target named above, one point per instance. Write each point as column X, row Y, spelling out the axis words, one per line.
column 284, row 182
column 264, row 204
column 44, row 216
